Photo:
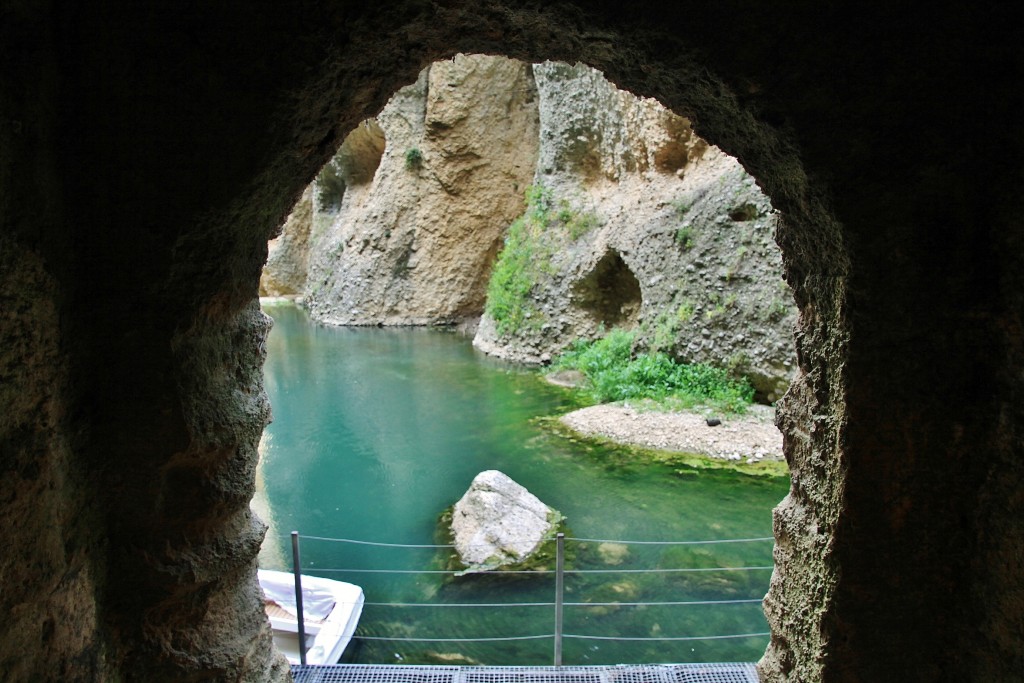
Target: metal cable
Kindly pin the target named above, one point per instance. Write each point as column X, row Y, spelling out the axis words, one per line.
column 737, row 635
column 675, row 603
column 375, row 543
column 432, row 571
column 664, row 571
column 727, row 540
column 568, row 538
column 453, row 640
column 545, row 571
column 459, row 604
column 567, row 604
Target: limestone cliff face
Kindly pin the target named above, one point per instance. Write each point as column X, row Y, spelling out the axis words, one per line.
column 288, row 254
column 418, row 226
column 412, row 211
column 660, row 200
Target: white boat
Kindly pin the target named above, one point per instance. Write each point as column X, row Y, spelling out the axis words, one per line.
column 330, row 609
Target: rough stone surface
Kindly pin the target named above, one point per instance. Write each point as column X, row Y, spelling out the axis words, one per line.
column 498, row 522
column 145, row 162
column 413, row 241
column 288, row 254
column 752, row 437
column 682, row 250
column 677, row 218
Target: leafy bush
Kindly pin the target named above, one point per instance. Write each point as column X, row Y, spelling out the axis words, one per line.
column 413, row 159
column 684, row 237
column 667, row 325
column 513, row 278
column 330, row 186
column 526, row 256
column 614, row 374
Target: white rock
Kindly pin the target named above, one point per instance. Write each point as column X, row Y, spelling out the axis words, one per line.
column 498, row 522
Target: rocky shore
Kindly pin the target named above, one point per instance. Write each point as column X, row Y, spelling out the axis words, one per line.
column 752, row 437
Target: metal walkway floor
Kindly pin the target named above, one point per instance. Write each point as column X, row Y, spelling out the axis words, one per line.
column 623, row 673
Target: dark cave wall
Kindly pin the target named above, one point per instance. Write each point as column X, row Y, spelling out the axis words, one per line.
column 149, row 152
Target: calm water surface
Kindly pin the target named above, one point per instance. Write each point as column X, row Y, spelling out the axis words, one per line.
column 377, row 431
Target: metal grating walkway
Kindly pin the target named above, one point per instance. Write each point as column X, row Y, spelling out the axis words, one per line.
column 624, row 673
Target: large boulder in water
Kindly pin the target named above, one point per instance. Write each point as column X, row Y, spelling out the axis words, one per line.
column 498, row 523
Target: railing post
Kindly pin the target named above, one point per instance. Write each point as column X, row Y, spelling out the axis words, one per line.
column 559, row 586
column 298, row 597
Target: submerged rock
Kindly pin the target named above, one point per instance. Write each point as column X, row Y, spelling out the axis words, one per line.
column 498, row 523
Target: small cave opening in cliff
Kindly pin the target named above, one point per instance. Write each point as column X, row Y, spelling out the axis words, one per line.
column 355, row 163
column 610, row 293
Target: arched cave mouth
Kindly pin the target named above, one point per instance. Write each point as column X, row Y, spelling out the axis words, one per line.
column 606, row 291
column 152, row 407
column 610, row 293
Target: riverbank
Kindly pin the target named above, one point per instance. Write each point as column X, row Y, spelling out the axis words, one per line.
column 749, row 438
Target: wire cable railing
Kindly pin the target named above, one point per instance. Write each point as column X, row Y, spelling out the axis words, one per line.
column 558, row 635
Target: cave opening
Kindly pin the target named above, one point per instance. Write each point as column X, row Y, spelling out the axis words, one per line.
column 130, row 262
column 610, row 292
column 655, row 200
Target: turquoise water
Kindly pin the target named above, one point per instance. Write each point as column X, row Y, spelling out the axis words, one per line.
column 377, row 431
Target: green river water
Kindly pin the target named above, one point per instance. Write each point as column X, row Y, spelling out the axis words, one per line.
column 377, row 431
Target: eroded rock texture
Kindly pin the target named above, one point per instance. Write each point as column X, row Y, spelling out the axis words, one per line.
column 413, row 238
column 664, row 235
column 147, row 153
column 497, row 522
column 287, row 267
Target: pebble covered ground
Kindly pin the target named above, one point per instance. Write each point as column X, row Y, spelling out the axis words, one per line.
column 752, row 437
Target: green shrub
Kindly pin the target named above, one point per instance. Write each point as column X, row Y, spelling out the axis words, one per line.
column 667, row 325
column 682, row 207
column 513, row 278
column 413, row 159
column 330, row 186
column 580, row 224
column 539, row 200
column 684, row 237
column 614, row 374
column 525, row 257
column 777, row 310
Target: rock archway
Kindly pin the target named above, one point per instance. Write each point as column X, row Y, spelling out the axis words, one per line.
column 148, row 154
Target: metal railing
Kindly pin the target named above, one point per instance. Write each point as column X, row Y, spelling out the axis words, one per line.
column 558, row 603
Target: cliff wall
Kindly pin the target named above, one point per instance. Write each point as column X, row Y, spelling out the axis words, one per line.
column 412, row 239
column 412, row 211
column 666, row 235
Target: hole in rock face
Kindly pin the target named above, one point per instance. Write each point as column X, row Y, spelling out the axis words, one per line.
column 355, row 163
column 743, row 212
column 610, row 292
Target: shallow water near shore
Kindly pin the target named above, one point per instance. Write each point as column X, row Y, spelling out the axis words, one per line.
column 377, row 431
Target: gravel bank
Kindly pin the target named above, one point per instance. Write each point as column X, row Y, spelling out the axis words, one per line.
column 751, row 437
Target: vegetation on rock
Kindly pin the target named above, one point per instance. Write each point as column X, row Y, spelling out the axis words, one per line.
column 413, row 159
column 526, row 256
column 614, row 373
column 330, row 186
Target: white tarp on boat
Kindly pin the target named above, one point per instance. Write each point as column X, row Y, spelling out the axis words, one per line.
column 316, row 604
